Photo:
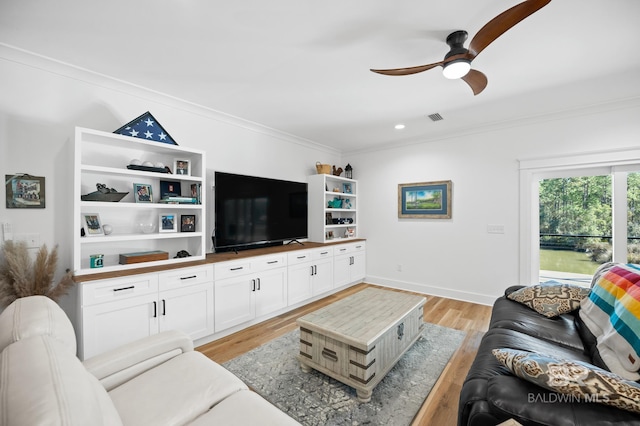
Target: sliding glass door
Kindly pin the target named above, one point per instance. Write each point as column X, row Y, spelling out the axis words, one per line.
column 587, row 217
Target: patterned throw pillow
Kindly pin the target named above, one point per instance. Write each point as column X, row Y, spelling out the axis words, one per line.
column 583, row 381
column 551, row 298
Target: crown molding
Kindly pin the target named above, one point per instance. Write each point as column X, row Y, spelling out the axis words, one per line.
column 63, row 69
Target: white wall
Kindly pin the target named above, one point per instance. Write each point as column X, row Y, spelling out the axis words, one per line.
column 42, row 101
column 457, row 258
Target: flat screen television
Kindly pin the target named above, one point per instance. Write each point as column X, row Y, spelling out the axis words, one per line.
column 252, row 212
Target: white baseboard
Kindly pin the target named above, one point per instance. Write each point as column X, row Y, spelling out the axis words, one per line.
column 464, row 296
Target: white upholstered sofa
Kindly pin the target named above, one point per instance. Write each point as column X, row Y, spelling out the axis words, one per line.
column 156, row 381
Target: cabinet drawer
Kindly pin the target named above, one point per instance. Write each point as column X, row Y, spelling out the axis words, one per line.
column 266, row 263
column 322, row 253
column 348, row 248
column 185, row 276
column 232, row 269
column 102, row 291
column 300, row 256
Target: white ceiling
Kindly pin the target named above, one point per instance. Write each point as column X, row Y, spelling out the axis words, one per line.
column 302, row 67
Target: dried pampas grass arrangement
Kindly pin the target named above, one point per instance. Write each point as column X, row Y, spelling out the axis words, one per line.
column 20, row 277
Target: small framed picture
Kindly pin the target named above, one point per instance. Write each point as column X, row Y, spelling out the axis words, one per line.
column 168, row 222
column 24, row 191
column 92, row 225
column 188, row 223
column 346, row 188
column 170, row 188
column 182, row 167
column 142, row 193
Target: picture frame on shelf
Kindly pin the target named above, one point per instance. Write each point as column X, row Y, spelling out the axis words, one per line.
column 188, row 223
column 425, row 200
column 92, row 225
column 328, row 218
column 346, row 204
column 170, row 188
column 168, row 222
column 346, row 188
column 196, row 192
column 182, row 167
column 24, row 191
column 142, row 193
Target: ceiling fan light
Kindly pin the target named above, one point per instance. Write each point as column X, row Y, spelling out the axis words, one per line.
column 456, row 69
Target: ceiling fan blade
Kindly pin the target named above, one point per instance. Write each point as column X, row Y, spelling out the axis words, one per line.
column 408, row 71
column 503, row 22
column 476, row 80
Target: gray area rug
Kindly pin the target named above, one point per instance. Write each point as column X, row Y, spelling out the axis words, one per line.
column 273, row 371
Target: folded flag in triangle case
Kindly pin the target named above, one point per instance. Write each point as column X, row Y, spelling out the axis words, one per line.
column 146, row 127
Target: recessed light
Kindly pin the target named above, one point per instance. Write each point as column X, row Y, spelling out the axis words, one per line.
column 399, row 126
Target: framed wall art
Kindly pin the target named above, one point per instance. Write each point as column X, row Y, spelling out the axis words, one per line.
column 24, row 191
column 425, row 200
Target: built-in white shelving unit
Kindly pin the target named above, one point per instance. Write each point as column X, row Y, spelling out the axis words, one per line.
column 102, row 157
column 332, row 206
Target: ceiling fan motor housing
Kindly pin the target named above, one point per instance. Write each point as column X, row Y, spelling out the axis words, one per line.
column 456, row 40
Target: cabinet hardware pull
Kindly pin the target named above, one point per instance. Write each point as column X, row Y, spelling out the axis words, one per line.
column 237, row 269
column 155, row 310
column 329, row 354
column 311, row 270
column 253, row 285
column 124, row 288
column 188, row 278
column 301, row 257
column 358, row 247
column 324, row 252
column 272, row 262
column 164, row 307
column 258, row 283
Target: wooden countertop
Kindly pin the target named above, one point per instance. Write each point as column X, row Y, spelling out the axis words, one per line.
column 211, row 258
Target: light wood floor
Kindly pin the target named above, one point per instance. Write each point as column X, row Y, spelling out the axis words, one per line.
column 441, row 406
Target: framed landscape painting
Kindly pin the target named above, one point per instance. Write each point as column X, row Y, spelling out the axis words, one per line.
column 425, row 200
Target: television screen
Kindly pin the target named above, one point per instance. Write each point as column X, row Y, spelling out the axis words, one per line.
column 253, row 211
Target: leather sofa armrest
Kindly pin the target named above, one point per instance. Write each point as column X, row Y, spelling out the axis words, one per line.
column 513, row 288
column 121, row 364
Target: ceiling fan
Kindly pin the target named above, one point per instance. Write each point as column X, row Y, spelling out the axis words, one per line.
column 457, row 62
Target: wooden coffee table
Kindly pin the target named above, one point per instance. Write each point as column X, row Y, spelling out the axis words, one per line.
column 358, row 339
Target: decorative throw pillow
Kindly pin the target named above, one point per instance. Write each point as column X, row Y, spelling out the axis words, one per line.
column 551, row 298
column 583, row 381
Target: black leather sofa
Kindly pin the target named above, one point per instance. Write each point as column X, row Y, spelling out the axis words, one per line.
column 491, row 395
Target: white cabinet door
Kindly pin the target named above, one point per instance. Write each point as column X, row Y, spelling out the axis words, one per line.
column 299, row 285
column 322, row 276
column 188, row 309
column 341, row 270
column 108, row 325
column 271, row 291
column 358, row 267
column 234, row 302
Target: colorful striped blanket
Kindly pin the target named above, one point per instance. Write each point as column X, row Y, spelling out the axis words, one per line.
column 612, row 314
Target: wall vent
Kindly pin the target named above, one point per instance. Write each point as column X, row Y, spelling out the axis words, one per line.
column 435, row 117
